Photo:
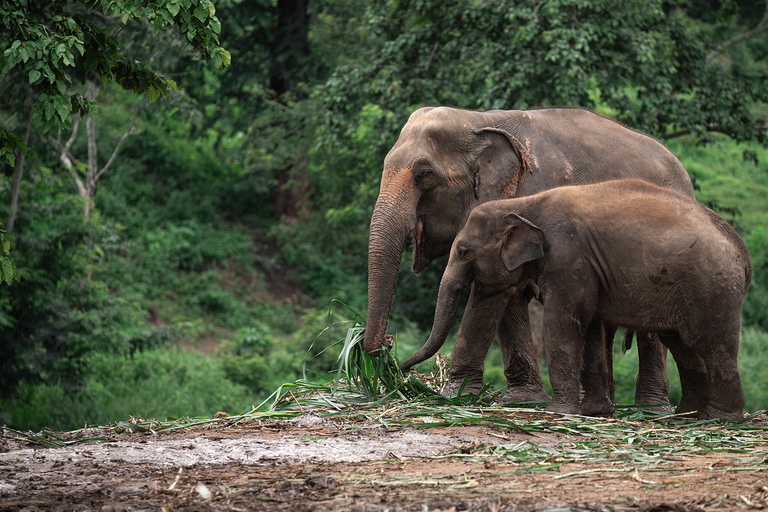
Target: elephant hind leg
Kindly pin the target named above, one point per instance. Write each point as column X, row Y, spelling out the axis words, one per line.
column 693, row 375
column 726, row 396
column 719, row 349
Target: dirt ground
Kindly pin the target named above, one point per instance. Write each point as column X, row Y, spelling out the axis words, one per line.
column 314, row 464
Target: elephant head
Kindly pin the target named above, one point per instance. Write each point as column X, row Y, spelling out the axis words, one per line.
column 444, row 162
column 491, row 250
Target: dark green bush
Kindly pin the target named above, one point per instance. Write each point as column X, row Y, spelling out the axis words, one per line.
column 254, row 361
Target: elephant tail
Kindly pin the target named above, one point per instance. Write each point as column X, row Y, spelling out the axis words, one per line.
column 627, row 341
column 747, row 273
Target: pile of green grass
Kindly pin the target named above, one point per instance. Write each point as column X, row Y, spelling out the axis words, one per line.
column 364, row 392
column 169, row 383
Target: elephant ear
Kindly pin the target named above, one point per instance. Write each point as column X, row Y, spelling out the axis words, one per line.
column 499, row 165
column 522, row 242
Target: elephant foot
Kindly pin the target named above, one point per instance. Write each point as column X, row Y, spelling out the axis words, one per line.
column 563, row 408
column 452, row 388
column 524, row 394
column 686, row 409
column 597, row 408
column 712, row 413
column 689, row 406
column 658, row 403
column 664, row 408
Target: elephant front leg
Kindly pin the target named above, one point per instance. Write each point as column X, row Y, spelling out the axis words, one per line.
column 476, row 333
column 564, row 341
column 652, row 387
column 597, row 375
column 521, row 367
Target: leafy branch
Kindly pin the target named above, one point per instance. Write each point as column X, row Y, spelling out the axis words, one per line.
column 749, row 34
column 52, row 45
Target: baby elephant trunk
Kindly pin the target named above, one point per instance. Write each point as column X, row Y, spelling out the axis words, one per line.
column 448, row 301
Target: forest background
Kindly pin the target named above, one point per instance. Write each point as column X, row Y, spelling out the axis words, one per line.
column 179, row 254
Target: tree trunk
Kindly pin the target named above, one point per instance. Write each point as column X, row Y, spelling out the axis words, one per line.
column 18, row 170
column 93, row 165
column 93, row 173
column 290, row 46
column 289, row 53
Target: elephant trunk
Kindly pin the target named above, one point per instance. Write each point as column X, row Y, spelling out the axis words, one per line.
column 448, row 300
column 394, row 217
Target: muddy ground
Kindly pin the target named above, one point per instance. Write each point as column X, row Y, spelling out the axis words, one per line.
column 315, row 464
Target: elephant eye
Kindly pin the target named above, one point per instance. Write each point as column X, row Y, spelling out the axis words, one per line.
column 464, row 253
column 424, row 177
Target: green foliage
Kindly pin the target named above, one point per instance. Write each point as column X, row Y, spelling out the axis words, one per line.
column 755, row 308
column 253, row 340
column 53, row 317
column 378, row 379
column 319, row 333
column 719, row 172
column 364, row 373
column 339, row 271
column 51, row 45
column 9, row 144
column 192, row 246
column 254, row 361
column 754, row 374
column 176, row 252
column 625, row 374
column 7, row 268
column 646, row 62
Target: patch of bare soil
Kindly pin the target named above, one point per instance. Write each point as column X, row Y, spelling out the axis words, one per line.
column 312, row 464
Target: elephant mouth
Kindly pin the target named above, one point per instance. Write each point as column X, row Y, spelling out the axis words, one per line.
column 420, row 261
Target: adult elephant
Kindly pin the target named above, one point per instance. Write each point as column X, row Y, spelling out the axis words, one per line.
column 445, row 162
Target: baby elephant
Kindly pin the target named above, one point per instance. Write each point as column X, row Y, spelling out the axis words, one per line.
column 619, row 253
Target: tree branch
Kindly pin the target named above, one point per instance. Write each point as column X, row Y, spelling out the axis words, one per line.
column 92, row 88
column 431, row 55
column 273, row 103
column 72, row 137
column 80, row 187
column 65, row 157
column 741, row 37
column 128, row 132
column 710, row 127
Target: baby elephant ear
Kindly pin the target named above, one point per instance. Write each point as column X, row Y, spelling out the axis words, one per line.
column 523, row 242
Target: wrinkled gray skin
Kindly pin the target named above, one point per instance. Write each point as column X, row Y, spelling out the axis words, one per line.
column 619, row 253
column 447, row 161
